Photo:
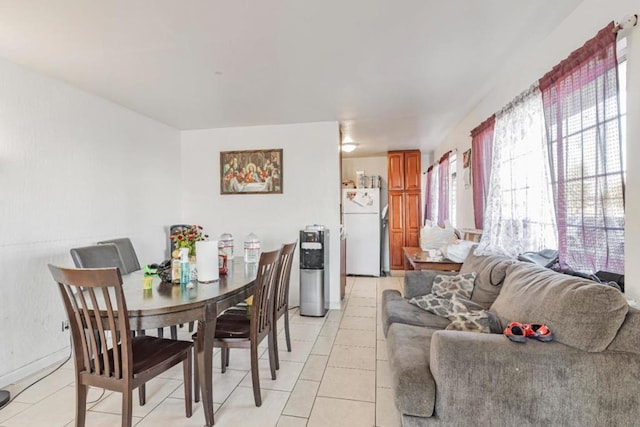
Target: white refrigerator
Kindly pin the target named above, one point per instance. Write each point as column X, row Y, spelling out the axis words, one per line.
column 361, row 209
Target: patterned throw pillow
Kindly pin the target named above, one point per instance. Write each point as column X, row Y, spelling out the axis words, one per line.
column 472, row 321
column 444, row 307
column 447, row 286
column 470, row 316
column 433, row 304
column 462, row 304
column 464, row 314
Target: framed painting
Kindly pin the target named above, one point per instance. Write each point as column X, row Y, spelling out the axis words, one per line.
column 466, row 164
column 251, row 172
column 466, row 159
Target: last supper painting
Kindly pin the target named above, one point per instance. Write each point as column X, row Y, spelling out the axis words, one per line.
column 251, row 172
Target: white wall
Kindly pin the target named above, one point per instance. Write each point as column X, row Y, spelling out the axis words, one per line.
column 311, row 189
column 74, row 169
column 371, row 166
column 632, row 209
column 588, row 18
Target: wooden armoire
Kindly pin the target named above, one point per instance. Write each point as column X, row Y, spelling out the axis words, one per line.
column 405, row 207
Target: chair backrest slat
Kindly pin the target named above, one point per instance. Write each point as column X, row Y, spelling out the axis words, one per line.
column 284, row 274
column 117, row 372
column 88, row 318
column 263, row 293
column 95, row 314
column 88, row 323
column 71, row 306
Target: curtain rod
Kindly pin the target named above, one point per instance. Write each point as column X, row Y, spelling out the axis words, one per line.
column 628, row 21
column 454, row 151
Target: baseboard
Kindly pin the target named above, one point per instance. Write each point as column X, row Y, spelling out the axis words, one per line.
column 335, row 305
column 396, row 273
column 34, row 367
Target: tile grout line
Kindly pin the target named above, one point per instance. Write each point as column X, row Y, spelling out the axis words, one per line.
column 298, row 378
column 315, row 398
column 249, row 373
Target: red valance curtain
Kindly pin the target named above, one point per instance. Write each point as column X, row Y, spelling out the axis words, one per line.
column 428, row 196
column 481, row 156
column 443, row 189
column 582, row 118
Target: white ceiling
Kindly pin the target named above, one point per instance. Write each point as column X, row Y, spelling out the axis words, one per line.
column 398, row 74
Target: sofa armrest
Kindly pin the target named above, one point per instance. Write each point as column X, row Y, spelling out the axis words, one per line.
column 419, row 282
column 486, row 376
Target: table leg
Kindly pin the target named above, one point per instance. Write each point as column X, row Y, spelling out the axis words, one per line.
column 206, row 331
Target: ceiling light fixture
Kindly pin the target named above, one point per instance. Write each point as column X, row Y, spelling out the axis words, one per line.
column 349, row 147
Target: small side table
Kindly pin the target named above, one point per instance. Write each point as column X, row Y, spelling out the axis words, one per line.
column 420, row 260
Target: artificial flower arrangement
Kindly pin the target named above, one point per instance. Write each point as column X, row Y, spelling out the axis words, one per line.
column 187, row 238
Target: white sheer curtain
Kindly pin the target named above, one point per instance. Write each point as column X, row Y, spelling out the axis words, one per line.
column 519, row 215
column 435, row 180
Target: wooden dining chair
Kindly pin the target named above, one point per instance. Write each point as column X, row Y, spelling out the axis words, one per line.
column 280, row 300
column 248, row 331
column 107, row 255
column 121, row 365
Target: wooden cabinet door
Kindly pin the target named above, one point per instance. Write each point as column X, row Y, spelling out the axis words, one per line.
column 396, row 231
column 412, row 218
column 395, row 170
column 396, row 260
column 412, row 170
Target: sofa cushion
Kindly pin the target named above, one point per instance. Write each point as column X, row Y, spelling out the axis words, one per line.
column 413, row 385
column 628, row 338
column 446, row 286
column 581, row 313
column 490, row 271
column 396, row 309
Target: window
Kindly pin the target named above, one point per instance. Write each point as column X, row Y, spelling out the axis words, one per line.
column 519, row 214
column 584, row 115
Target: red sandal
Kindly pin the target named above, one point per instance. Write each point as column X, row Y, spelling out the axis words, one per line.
column 538, row 331
column 516, row 332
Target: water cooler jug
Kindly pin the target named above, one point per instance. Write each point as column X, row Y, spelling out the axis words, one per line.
column 314, row 270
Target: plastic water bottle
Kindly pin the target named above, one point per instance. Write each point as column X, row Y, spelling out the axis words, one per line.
column 185, row 271
column 251, row 249
column 226, row 244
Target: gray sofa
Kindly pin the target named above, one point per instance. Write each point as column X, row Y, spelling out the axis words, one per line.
column 588, row 376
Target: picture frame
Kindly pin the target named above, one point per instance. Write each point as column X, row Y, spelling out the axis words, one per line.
column 466, row 159
column 251, row 171
column 466, row 166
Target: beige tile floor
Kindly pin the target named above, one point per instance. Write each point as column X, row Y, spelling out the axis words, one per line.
column 336, row 375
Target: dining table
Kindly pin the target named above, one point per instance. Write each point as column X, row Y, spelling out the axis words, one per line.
column 167, row 304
